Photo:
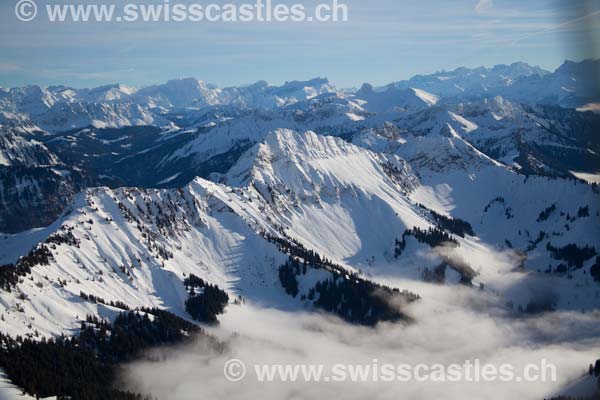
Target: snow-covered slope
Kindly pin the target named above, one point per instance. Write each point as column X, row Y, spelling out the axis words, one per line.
column 352, row 205
column 347, row 203
column 17, row 147
column 542, row 140
column 106, row 93
column 393, row 99
column 328, row 114
column 67, row 116
column 118, row 247
column 435, row 139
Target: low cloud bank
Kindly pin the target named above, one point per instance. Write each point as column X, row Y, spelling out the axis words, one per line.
column 452, row 325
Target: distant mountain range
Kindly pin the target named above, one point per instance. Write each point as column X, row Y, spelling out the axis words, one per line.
column 57, row 140
column 60, row 108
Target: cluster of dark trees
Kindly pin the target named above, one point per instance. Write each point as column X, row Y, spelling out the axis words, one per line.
column 41, row 255
column 11, row 273
column 595, row 369
column 592, row 397
column 595, row 269
column 288, row 273
column 434, row 237
column 206, row 301
column 435, row 275
column 544, row 215
column 394, row 173
column 160, row 221
column 163, row 214
column 346, row 294
column 125, row 212
column 354, row 299
column 358, row 301
column 193, row 282
column 297, row 249
column 99, row 300
column 455, row 225
column 64, row 237
column 583, row 212
column 574, row 255
column 86, row 366
column 498, row 199
column 534, row 243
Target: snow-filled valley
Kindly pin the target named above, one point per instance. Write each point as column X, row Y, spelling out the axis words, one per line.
column 441, row 211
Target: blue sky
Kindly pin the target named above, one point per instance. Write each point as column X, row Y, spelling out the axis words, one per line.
column 384, row 41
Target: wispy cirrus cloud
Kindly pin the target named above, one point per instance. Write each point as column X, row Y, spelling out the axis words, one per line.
column 484, row 6
column 75, row 74
column 9, row 67
column 408, row 37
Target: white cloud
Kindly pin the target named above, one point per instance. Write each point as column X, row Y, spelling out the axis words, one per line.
column 452, row 325
column 484, row 6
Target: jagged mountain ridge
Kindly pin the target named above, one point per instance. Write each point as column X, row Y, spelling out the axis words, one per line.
column 60, row 108
column 346, row 203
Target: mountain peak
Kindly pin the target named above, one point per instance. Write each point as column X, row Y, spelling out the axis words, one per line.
column 313, row 166
column 392, row 98
column 587, row 66
column 311, row 82
column 365, row 88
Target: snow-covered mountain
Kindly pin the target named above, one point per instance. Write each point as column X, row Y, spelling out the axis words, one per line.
column 16, row 145
column 186, row 92
column 543, row 140
column 467, row 82
column 61, row 108
column 371, row 181
column 136, row 245
column 263, row 95
column 391, row 98
column 348, row 204
column 65, row 116
column 328, row 113
column 291, row 199
column 573, row 84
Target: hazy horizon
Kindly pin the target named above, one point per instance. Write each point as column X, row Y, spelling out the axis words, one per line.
column 292, row 79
